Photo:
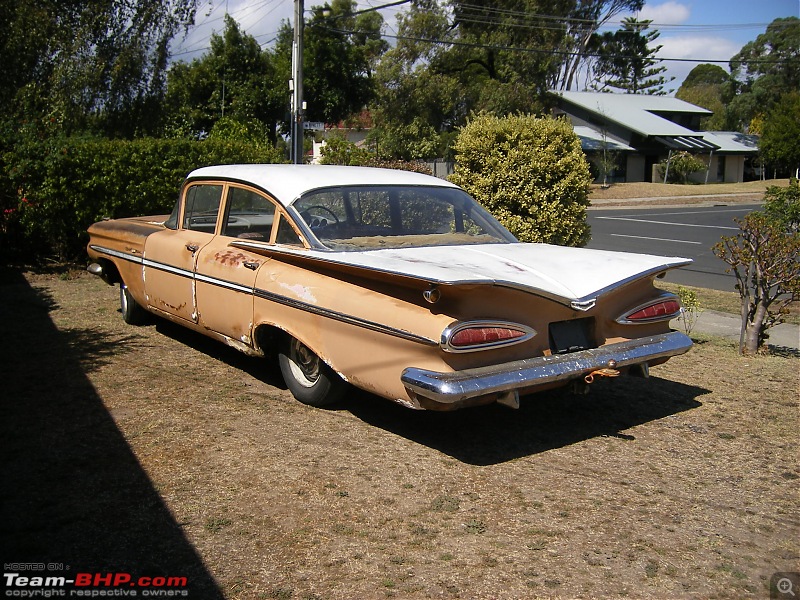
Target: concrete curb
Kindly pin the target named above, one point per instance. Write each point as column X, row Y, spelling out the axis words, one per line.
column 728, row 326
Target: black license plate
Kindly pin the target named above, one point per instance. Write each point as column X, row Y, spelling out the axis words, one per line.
column 571, row 336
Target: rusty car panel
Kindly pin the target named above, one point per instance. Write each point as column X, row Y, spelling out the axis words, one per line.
column 393, row 282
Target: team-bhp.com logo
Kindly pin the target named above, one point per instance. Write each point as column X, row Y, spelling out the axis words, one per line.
column 93, row 585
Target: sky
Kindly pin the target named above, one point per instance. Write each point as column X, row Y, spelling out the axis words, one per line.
column 697, row 31
column 710, row 30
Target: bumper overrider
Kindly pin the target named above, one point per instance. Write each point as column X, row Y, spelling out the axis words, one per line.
column 502, row 382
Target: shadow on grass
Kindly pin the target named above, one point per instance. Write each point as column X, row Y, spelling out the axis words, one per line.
column 73, row 492
column 265, row 370
column 494, row 434
column 491, row 434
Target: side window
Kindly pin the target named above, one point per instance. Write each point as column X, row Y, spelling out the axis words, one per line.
column 172, row 221
column 250, row 215
column 202, row 207
column 286, row 234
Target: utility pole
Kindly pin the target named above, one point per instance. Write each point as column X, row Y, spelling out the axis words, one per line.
column 296, row 85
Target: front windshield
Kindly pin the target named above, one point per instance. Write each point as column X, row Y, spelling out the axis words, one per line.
column 352, row 218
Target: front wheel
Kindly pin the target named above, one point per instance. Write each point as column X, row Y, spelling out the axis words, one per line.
column 132, row 311
column 309, row 379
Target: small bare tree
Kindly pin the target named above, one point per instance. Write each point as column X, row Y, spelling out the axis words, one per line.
column 765, row 258
column 691, row 308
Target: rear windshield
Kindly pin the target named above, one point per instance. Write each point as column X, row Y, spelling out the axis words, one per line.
column 352, row 218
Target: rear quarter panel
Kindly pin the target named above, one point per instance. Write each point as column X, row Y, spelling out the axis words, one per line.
column 370, row 329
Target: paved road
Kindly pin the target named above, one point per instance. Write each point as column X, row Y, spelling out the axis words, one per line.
column 687, row 231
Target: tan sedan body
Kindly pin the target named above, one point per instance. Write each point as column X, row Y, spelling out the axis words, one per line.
column 394, row 282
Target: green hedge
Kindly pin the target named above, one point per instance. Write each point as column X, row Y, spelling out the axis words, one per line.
column 59, row 187
column 528, row 172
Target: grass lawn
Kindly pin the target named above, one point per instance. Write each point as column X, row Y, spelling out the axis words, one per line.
column 153, row 450
column 657, row 190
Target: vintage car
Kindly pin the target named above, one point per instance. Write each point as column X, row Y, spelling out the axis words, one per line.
column 395, row 282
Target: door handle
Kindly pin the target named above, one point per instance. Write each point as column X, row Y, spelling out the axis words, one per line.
column 252, row 265
column 192, row 248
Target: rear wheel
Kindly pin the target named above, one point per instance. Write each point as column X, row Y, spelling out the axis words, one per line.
column 132, row 311
column 309, row 379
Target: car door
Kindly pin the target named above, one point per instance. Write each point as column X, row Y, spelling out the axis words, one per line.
column 170, row 256
column 225, row 273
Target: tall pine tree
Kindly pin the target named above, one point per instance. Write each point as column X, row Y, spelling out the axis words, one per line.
column 626, row 60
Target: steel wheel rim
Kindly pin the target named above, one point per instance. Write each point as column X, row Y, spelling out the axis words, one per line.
column 304, row 364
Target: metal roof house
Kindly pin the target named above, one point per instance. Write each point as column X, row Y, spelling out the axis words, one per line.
column 644, row 130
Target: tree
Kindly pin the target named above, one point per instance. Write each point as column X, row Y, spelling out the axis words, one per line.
column 451, row 62
column 782, row 205
column 765, row 259
column 416, row 105
column 708, row 86
column 505, row 44
column 584, row 20
column 528, row 172
column 627, row 60
column 235, row 80
column 781, row 131
column 679, row 166
column 765, row 69
column 706, row 74
column 340, row 52
column 339, row 151
column 87, row 63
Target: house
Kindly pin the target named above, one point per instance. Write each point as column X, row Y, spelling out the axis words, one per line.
column 645, row 130
column 355, row 130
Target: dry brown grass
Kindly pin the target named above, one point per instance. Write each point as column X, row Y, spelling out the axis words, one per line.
column 153, row 448
column 748, row 191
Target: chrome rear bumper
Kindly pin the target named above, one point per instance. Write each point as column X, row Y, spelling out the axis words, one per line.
column 461, row 386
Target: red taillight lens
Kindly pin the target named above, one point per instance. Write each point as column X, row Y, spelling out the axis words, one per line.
column 483, row 335
column 476, row 336
column 665, row 308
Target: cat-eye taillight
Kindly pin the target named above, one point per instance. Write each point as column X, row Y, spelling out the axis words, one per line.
column 483, row 335
column 664, row 308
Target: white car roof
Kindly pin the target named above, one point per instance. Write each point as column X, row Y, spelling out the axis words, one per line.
column 288, row 182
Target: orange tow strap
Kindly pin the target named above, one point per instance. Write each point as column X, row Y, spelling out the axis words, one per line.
column 601, row 373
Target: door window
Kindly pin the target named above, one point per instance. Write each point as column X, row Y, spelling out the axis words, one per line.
column 202, row 208
column 250, row 215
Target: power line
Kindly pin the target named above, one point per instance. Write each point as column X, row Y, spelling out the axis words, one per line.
column 366, row 10
column 654, row 24
column 552, row 52
column 199, row 45
column 196, row 47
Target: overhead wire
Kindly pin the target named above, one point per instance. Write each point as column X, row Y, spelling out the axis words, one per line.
column 530, row 50
column 201, row 44
column 493, row 16
column 611, row 22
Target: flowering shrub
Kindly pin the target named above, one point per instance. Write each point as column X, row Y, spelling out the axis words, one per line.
column 680, row 166
column 528, row 172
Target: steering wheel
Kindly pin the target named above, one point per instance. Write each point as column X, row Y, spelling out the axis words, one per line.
column 306, row 214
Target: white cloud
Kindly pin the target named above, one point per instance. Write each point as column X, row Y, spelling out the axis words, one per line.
column 667, row 13
column 701, row 48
